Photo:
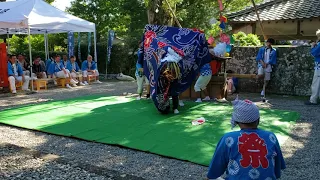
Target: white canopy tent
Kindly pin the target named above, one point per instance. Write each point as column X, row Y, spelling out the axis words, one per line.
column 38, row 17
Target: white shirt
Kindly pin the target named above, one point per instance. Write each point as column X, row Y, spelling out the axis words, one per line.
column 89, row 65
column 266, row 60
column 15, row 70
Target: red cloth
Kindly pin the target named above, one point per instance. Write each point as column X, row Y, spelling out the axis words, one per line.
column 215, row 66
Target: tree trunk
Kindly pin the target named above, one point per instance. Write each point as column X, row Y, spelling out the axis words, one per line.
column 156, row 13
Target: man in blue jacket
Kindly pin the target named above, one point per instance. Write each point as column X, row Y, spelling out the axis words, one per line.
column 266, row 58
column 15, row 73
column 89, row 67
column 315, row 88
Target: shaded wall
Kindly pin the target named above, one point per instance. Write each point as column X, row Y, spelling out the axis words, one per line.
column 292, row 75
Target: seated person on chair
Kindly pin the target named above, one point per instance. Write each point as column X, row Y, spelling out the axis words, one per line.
column 24, row 64
column 58, row 71
column 203, row 81
column 75, row 70
column 232, row 83
column 38, row 70
column 266, row 58
column 16, row 74
column 89, row 67
column 66, row 62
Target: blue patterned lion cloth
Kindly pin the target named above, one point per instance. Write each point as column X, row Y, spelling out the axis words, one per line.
column 188, row 50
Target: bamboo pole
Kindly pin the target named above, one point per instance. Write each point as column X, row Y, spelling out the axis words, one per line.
column 258, row 16
column 173, row 14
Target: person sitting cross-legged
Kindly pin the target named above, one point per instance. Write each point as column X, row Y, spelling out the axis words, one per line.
column 38, row 70
column 75, row 70
column 89, row 67
column 15, row 73
column 250, row 153
column 57, row 70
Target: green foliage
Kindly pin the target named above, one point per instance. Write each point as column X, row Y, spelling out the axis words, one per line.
column 247, row 40
column 128, row 18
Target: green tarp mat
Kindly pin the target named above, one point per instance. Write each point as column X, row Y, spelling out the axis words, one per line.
column 138, row 125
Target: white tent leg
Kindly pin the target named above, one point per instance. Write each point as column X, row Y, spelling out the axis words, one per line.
column 30, row 56
column 8, row 49
column 45, row 46
column 95, row 46
column 48, row 51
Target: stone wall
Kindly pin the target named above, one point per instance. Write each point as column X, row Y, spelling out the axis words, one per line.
column 292, row 75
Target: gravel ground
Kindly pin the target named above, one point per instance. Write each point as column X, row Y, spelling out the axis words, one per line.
column 301, row 150
column 17, row 165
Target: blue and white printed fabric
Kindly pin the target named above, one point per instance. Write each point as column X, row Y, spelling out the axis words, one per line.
column 190, row 44
column 248, row 154
column 206, row 70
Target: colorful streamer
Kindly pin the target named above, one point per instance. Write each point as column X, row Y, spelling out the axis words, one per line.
column 220, row 5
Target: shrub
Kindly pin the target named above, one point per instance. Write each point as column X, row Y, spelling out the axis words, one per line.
column 247, row 40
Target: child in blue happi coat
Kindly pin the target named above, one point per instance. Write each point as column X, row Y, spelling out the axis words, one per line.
column 250, row 153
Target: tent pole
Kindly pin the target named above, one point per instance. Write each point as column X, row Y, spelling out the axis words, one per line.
column 30, row 56
column 47, row 41
column 45, row 45
column 95, row 45
column 8, row 50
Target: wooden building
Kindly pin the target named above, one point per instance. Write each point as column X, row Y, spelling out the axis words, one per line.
column 281, row 19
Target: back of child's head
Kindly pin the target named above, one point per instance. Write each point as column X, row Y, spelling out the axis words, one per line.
column 244, row 112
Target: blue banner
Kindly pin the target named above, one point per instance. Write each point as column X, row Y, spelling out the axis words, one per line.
column 79, row 46
column 110, row 41
column 89, row 42
column 70, row 44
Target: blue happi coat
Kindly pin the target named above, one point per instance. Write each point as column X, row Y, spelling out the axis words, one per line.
column 315, row 51
column 11, row 69
column 55, row 67
column 248, row 154
column 85, row 65
column 190, row 44
column 272, row 58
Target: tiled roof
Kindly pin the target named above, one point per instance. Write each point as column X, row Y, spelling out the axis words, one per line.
column 271, row 10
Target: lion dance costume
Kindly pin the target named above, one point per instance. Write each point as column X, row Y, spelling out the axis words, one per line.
column 171, row 59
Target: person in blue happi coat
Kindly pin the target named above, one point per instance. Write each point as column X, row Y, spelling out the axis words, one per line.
column 315, row 87
column 58, row 70
column 75, row 70
column 250, row 153
column 15, row 73
column 266, row 58
column 89, row 67
column 66, row 62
